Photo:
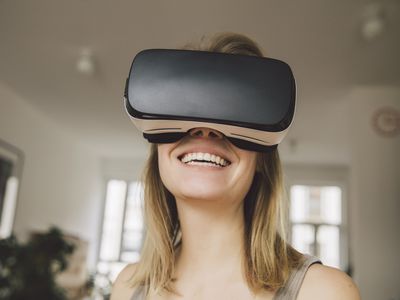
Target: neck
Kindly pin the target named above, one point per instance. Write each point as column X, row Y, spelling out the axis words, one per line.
column 212, row 239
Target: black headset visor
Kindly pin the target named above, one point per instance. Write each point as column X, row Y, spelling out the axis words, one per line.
column 250, row 99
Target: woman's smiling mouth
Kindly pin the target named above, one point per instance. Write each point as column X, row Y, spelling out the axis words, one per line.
column 204, row 159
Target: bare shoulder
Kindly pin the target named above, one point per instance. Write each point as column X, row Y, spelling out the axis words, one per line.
column 121, row 288
column 323, row 282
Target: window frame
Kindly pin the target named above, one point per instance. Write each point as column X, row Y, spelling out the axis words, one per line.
column 326, row 175
column 126, row 169
column 105, row 184
column 8, row 209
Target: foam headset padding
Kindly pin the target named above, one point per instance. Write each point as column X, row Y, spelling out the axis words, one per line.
column 164, row 138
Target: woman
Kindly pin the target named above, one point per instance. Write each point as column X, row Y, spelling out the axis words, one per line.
column 217, row 232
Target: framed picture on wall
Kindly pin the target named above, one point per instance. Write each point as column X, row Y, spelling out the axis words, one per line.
column 11, row 162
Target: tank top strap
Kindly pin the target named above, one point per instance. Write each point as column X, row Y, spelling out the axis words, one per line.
column 138, row 294
column 292, row 287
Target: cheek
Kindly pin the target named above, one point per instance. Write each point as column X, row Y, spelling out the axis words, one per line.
column 162, row 162
column 251, row 169
column 245, row 172
column 164, row 165
column 250, row 174
column 248, row 161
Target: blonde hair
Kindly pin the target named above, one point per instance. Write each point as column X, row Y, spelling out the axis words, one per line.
column 268, row 258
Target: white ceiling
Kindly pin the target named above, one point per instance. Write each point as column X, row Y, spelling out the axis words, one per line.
column 40, row 42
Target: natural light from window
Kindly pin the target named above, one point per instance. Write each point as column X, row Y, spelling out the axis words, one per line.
column 316, row 218
column 123, row 230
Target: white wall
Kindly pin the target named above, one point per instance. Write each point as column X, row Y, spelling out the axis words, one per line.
column 61, row 179
column 124, row 168
column 319, row 133
column 375, row 195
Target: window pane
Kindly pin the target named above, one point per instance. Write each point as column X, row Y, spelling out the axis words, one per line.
column 112, row 224
column 130, row 257
column 103, row 267
column 134, row 215
column 298, row 203
column 331, row 204
column 9, row 206
column 133, row 226
column 132, row 240
column 328, row 243
column 315, row 204
column 303, row 238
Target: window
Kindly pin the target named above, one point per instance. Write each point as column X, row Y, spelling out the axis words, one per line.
column 318, row 212
column 315, row 214
column 122, row 232
column 11, row 162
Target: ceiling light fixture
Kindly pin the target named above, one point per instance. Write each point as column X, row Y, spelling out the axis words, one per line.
column 373, row 21
column 85, row 63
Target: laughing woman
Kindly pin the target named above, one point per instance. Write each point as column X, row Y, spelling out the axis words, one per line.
column 215, row 221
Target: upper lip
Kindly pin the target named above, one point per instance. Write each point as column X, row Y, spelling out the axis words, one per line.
column 205, row 149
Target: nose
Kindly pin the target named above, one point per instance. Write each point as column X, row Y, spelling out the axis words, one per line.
column 206, row 133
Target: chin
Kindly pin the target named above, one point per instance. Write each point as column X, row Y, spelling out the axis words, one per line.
column 202, row 193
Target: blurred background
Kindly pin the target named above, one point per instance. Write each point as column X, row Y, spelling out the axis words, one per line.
column 70, row 158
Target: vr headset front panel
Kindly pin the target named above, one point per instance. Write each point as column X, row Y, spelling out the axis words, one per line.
column 253, row 95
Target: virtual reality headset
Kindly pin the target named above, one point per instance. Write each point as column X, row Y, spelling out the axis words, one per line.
column 250, row 99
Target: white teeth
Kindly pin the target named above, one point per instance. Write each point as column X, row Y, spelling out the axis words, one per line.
column 203, row 164
column 214, row 159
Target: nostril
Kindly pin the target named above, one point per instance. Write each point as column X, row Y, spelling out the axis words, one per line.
column 196, row 133
column 213, row 134
column 205, row 132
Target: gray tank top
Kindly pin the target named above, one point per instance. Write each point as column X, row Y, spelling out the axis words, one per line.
column 288, row 292
column 292, row 287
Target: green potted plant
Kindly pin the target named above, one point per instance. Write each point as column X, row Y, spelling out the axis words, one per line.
column 27, row 271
